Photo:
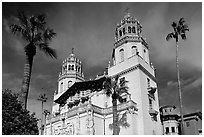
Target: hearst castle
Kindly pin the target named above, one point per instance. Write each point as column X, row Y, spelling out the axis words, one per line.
column 82, row 108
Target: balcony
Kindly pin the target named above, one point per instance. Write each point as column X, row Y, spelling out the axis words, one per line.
column 130, row 105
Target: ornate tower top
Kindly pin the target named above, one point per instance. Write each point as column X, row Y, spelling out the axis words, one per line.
column 128, row 30
column 71, row 67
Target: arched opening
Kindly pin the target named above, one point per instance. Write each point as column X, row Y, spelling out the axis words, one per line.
column 124, row 31
column 120, row 32
column 129, row 29
column 61, row 87
column 69, row 83
column 133, row 30
column 116, row 33
column 121, row 55
column 134, row 50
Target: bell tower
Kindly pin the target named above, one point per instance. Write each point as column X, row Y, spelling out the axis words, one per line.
column 71, row 72
column 129, row 41
column 131, row 62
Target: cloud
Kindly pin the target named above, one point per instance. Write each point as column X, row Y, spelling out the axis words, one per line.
column 6, row 25
column 11, row 82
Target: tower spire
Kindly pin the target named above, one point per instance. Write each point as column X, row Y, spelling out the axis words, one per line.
column 72, row 50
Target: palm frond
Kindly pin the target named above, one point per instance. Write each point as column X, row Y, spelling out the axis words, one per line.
column 174, row 24
column 33, row 22
column 185, row 28
column 170, row 36
column 42, row 18
column 38, row 37
column 47, row 50
column 23, row 19
column 16, row 28
column 181, row 21
column 21, row 30
column 107, row 86
column 49, row 34
column 183, row 36
column 123, row 90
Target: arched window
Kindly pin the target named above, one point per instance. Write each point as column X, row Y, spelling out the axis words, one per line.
column 72, row 67
column 129, row 29
column 61, row 87
column 134, row 50
column 116, row 33
column 121, row 55
column 69, row 83
column 120, row 32
column 124, row 31
column 133, row 30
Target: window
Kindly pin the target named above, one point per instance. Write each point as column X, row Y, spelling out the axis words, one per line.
column 124, row 31
column 61, row 87
column 69, row 84
column 129, row 29
column 72, row 67
column 148, row 83
column 173, row 129
column 78, row 69
column 122, row 55
column 116, row 33
column 134, row 50
column 120, row 32
column 167, row 130
column 150, row 103
column 187, row 124
column 69, row 67
column 133, row 29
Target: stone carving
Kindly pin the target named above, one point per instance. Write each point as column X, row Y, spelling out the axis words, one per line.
column 90, row 123
column 67, row 130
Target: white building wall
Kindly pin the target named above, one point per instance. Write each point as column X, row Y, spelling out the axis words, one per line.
column 99, row 124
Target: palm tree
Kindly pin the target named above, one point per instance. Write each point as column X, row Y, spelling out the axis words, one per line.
column 35, row 32
column 122, row 122
column 180, row 29
column 43, row 99
column 115, row 89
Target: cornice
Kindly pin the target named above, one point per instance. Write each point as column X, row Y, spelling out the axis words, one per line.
column 134, row 68
column 126, row 39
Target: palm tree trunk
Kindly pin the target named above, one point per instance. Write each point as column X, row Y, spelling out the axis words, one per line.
column 115, row 117
column 26, row 80
column 179, row 90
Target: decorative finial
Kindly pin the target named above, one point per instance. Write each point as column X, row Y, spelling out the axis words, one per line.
column 127, row 14
column 127, row 10
column 72, row 50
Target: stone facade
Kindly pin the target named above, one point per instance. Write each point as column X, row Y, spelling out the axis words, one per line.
column 89, row 110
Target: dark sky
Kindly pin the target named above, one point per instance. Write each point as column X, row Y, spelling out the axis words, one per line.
column 89, row 28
